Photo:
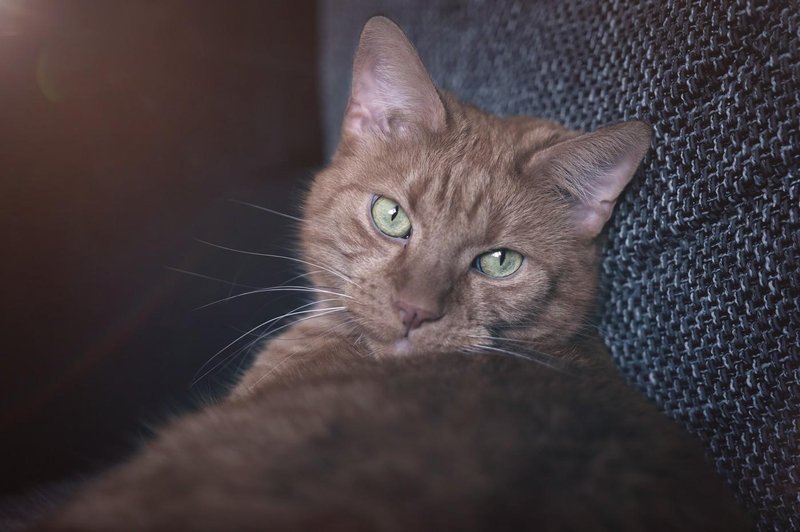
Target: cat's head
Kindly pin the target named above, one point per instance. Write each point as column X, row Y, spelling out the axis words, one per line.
column 446, row 226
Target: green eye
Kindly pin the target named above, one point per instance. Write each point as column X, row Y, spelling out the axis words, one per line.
column 390, row 218
column 498, row 263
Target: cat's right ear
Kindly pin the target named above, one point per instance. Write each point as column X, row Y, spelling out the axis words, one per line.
column 391, row 90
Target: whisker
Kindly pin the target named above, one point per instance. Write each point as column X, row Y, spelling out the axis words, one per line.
column 279, row 288
column 272, row 332
column 548, row 360
column 285, row 359
column 272, row 211
column 583, row 327
column 320, row 312
column 307, row 336
column 284, row 257
column 300, row 276
column 500, row 339
column 527, row 345
column 236, row 284
column 581, row 324
column 271, row 370
column 581, row 332
column 504, row 339
column 210, row 278
column 226, row 360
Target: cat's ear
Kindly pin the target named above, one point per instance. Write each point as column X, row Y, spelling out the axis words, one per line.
column 593, row 169
column 391, row 90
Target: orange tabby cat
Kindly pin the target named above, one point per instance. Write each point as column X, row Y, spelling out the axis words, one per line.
column 447, row 377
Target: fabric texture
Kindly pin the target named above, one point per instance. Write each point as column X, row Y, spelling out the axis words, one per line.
column 700, row 273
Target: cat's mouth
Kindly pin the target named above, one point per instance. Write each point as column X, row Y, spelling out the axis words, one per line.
column 391, row 338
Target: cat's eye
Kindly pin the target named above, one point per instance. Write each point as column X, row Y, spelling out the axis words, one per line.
column 498, row 263
column 390, row 218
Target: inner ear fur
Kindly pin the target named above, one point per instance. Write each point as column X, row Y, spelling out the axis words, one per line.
column 391, row 90
column 593, row 169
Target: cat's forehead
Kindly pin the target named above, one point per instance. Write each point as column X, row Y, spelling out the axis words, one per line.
column 465, row 184
column 479, row 160
column 462, row 196
column 462, row 175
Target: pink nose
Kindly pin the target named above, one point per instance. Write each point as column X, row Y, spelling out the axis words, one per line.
column 414, row 316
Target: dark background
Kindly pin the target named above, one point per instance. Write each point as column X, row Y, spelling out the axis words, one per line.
column 125, row 129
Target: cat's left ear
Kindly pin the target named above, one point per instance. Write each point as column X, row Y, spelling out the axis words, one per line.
column 594, row 168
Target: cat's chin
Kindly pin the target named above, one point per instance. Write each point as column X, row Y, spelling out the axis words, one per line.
column 397, row 348
column 401, row 347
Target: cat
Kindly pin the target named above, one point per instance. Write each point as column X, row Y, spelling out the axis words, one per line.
column 447, row 377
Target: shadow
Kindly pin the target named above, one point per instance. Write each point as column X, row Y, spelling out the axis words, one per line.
column 126, row 128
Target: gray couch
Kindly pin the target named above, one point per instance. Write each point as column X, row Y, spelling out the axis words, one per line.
column 701, row 280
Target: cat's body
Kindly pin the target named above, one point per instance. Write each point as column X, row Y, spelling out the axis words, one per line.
column 447, row 442
column 446, row 378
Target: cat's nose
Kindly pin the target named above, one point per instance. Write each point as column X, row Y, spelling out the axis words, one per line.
column 413, row 316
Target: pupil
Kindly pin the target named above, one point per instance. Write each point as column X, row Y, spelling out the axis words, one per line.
column 394, row 212
column 502, row 257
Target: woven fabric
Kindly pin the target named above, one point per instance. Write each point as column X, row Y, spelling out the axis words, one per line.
column 700, row 273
